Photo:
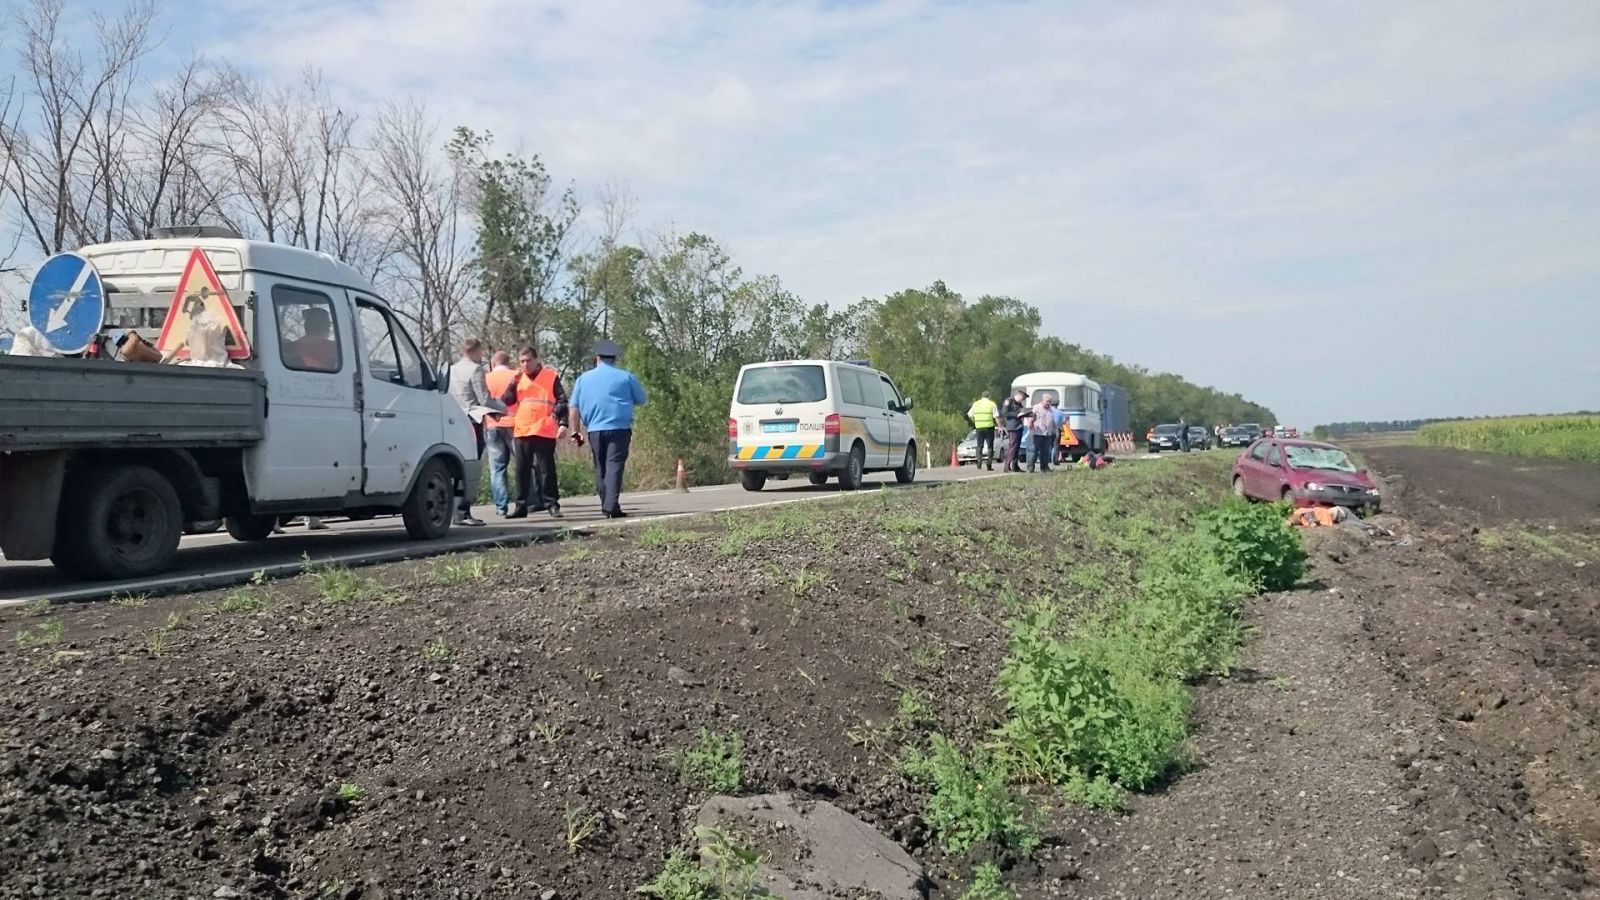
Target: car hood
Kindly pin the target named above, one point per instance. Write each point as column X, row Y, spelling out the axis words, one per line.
column 1333, row 476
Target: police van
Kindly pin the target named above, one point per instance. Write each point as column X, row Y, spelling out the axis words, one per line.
column 819, row 418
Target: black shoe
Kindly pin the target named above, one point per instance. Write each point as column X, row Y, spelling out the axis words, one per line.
column 615, row 514
column 517, row 512
column 555, row 511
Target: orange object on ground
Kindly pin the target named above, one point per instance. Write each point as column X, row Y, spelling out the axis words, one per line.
column 1318, row 516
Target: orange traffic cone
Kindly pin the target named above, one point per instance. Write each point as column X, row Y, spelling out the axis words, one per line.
column 954, row 462
column 683, row 478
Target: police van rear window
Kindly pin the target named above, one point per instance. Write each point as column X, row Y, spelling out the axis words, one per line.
column 783, row 384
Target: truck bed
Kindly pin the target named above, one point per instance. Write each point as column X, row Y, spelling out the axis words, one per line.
column 50, row 404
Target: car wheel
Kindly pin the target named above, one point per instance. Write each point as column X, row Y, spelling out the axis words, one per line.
column 854, row 469
column 251, row 528
column 431, row 506
column 908, row 469
column 125, row 523
column 1287, row 494
column 818, row 478
column 753, row 481
column 1238, row 488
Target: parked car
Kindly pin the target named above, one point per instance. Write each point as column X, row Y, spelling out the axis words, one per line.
column 1237, row 436
column 1254, row 428
column 1200, row 437
column 1164, row 437
column 967, row 450
column 1306, row 473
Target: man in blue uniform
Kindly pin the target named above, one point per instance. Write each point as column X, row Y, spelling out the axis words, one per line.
column 601, row 412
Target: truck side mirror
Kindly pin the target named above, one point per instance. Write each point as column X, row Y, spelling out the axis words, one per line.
column 905, row 405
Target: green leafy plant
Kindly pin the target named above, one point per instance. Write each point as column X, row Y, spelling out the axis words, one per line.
column 715, row 762
column 1098, row 792
column 656, row 535
column 463, row 570
column 438, row 652
column 548, row 732
column 579, row 828
column 680, row 879
column 351, row 793
column 340, row 584
column 44, row 634
column 725, row 871
column 242, row 601
column 986, row 884
column 131, row 601
column 971, row 800
column 1256, row 540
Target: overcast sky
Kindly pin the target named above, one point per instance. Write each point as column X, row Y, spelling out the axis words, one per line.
column 1344, row 210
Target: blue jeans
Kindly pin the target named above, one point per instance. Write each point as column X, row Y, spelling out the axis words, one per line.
column 497, row 447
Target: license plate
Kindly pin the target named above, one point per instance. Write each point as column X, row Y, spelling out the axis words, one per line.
column 779, row 427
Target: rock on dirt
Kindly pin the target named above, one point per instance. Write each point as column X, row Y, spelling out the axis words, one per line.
column 815, row 850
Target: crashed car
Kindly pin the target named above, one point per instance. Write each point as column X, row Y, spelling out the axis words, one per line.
column 1305, row 473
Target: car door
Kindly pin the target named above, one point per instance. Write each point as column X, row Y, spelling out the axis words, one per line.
column 400, row 406
column 899, row 423
column 1253, row 470
column 1275, row 480
column 312, row 448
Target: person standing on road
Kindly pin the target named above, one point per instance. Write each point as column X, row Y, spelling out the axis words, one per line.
column 541, row 407
column 601, row 413
column 497, row 430
column 1183, row 433
column 468, row 388
column 1013, row 412
column 1045, row 431
column 982, row 414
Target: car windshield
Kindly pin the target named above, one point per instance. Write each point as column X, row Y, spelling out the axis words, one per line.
column 1236, row 431
column 783, row 384
column 1319, row 458
column 1167, row 429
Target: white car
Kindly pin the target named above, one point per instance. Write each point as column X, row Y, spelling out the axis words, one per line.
column 821, row 418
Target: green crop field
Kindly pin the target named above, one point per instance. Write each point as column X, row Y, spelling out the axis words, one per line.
column 1551, row 437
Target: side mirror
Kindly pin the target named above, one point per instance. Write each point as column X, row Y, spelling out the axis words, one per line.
column 905, row 405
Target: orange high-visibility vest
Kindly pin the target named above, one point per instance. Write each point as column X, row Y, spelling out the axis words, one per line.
column 536, row 405
column 498, row 381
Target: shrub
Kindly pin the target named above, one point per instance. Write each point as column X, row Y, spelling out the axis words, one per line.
column 1098, row 792
column 715, row 762
column 1256, row 540
column 972, row 802
column 1184, row 614
column 986, row 884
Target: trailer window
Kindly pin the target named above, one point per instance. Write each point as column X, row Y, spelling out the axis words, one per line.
column 307, row 338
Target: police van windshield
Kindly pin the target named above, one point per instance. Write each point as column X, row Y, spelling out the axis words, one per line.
column 783, row 384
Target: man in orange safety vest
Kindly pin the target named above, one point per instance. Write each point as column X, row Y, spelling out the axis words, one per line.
column 541, row 407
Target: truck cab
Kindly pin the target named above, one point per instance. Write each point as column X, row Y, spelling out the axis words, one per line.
column 327, row 408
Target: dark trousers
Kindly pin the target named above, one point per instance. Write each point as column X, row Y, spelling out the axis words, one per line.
column 536, row 473
column 1044, row 450
column 610, row 449
column 985, row 447
column 464, row 503
column 1013, row 449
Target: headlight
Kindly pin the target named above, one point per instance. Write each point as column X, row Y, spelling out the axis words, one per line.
column 1373, row 491
column 1313, row 486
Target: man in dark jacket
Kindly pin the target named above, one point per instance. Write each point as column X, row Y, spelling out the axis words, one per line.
column 1013, row 411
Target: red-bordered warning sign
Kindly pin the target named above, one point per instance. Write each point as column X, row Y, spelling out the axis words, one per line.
column 199, row 293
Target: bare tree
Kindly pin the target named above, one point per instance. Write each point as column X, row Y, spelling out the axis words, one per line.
column 421, row 217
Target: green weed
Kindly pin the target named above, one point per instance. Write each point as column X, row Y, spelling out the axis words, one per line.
column 39, row 607
column 927, row 656
column 44, row 634
column 1098, row 792
column 725, row 871
column 465, row 569
column 547, row 732
column 715, row 763
column 242, row 601
column 910, row 709
column 971, row 801
column 340, row 584
column 1256, row 541
column 579, row 828
column 351, row 793
column 657, row 534
column 131, row 601
column 986, row 884
column 438, row 652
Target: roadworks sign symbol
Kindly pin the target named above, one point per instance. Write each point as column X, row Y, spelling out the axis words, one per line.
column 199, row 293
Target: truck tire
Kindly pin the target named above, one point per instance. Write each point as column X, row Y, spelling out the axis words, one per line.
column 431, row 506
column 251, row 528
column 907, row 472
column 123, row 522
column 753, row 481
column 854, row 469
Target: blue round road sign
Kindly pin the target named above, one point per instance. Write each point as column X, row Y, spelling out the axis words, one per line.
column 67, row 302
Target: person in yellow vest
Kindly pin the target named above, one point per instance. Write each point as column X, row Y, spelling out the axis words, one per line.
column 982, row 414
column 498, row 441
column 536, row 427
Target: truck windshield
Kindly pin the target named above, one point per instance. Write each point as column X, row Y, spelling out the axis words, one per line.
column 783, row 384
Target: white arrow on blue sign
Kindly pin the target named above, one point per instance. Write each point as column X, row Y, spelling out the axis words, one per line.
column 67, row 302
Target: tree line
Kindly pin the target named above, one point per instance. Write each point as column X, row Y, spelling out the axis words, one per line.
column 466, row 239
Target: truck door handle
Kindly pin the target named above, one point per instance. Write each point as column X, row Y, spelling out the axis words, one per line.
column 383, row 414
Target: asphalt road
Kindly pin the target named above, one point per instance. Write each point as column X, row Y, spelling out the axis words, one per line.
column 214, row 560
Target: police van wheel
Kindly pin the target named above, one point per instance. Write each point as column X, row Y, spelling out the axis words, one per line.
column 204, row 526
column 753, row 481
column 907, row 472
column 251, row 528
column 854, row 469
column 126, row 523
column 818, row 478
column 431, row 505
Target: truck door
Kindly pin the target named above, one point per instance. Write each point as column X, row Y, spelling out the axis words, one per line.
column 400, row 408
column 312, row 449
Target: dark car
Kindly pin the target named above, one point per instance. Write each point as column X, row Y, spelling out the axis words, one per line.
column 1238, row 436
column 1165, row 437
column 1305, row 473
column 1200, row 437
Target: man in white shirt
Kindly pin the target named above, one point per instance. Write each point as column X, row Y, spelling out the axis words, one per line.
column 469, row 389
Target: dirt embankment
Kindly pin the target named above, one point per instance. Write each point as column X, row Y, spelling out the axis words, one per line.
column 505, row 728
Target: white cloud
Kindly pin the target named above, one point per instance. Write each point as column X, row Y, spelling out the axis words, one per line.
column 1212, row 188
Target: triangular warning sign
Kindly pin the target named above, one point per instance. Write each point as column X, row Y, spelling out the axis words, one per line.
column 200, row 292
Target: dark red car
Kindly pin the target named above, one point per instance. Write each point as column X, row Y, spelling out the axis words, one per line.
column 1307, row 473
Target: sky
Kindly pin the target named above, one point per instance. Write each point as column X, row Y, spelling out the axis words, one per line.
column 1355, row 210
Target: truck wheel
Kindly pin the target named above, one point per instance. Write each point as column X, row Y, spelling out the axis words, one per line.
column 907, row 472
column 251, row 528
column 854, row 469
column 753, row 481
column 125, row 523
column 432, row 504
